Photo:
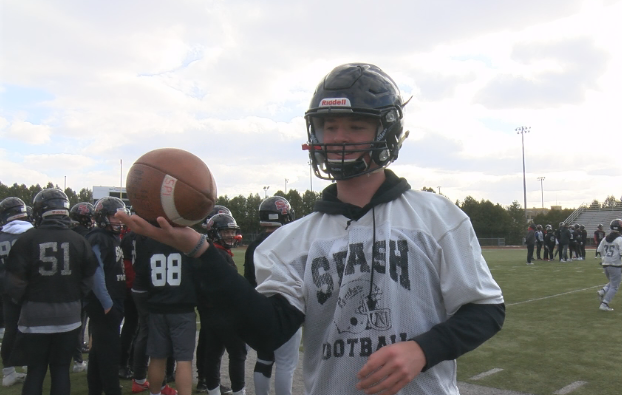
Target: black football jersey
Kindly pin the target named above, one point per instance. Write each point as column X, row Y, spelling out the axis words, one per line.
column 166, row 274
column 109, row 247
column 53, row 262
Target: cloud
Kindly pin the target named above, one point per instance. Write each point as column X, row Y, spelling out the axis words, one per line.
column 27, row 132
column 563, row 77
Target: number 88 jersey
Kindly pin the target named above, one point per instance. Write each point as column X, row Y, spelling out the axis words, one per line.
column 166, row 274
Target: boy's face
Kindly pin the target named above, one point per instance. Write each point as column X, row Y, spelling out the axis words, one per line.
column 228, row 236
column 116, row 226
column 349, row 130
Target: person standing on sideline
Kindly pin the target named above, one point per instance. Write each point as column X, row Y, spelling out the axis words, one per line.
column 611, row 251
column 539, row 241
column 530, row 240
column 549, row 244
column 581, row 241
column 599, row 235
column 104, row 305
column 274, row 212
column 395, row 275
column 49, row 269
column 564, row 241
column 14, row 222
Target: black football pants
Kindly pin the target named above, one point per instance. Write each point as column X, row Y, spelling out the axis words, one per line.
column 103, row 368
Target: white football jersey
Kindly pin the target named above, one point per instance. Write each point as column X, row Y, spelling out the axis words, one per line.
column 611, row 251
column 427, row 263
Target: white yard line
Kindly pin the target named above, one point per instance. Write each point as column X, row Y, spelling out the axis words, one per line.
column 552, row 296
column 486, row 374
column 569, row 388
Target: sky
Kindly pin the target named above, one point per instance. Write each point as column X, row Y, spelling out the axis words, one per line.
column 86, row 88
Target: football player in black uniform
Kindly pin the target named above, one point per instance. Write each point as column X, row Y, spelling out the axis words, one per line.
column 14, row 222
column 105, row 304
column 216, row 334
column 166, row 276
column 81, row 215
column 274, row 212
column 48, row 270
column 549, row 244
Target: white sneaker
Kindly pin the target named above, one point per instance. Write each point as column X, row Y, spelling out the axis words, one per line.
column 530, row 263
column 80, row 367
column 563, row 260
column 12, row 378
column 605, row 307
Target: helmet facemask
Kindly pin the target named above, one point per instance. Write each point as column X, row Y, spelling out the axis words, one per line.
column 372, row 155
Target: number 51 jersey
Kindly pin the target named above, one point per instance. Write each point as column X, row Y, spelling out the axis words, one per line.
column 166, row 274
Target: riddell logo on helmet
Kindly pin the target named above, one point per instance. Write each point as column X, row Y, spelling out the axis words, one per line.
column 335, row 102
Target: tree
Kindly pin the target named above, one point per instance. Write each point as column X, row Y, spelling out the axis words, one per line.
column 610, row 202
column 426, row 189
column 308, row 201
column 85, row 195
column 553, row 217
column 517, row 225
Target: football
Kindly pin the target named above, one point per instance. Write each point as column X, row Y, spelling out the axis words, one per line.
column 171, row 183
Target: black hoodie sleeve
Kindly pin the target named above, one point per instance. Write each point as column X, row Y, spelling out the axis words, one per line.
column 264, row 323
column 467, row 329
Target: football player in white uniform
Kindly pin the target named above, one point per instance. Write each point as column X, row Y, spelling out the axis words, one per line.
column 390, row 283
column 610, row 248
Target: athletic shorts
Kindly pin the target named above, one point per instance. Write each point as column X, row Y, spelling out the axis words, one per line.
column 171, row 335
column 45, row 348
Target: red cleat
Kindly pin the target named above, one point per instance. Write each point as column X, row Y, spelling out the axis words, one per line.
column 168, row 390
column 136, row 388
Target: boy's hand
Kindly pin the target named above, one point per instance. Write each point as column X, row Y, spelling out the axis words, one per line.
column 183, row 239
column 389, row 369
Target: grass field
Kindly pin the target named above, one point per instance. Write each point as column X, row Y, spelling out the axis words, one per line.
column 554, row 335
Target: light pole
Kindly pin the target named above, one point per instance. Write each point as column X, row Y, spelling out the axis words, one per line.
column 439, row 189
column 286, row 181
column 265, row 191
column 542, row 189
column 522, row 130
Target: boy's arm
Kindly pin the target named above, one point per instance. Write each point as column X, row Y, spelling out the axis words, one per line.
column 264, row 323
column 99, row 282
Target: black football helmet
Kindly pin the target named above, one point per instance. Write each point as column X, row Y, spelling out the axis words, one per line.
column 218, row 209
column 355, row 89
column 106, row 207
column 82, row 213
column 600, row 226
column 12, row 208
column 275, row 211
column 616, row 225
column 49, row 202
column 219, row 223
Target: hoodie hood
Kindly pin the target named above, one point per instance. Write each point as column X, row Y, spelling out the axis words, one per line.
column 612, row 236
column 392, row 188
column 17, row 227
column 56, row 222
